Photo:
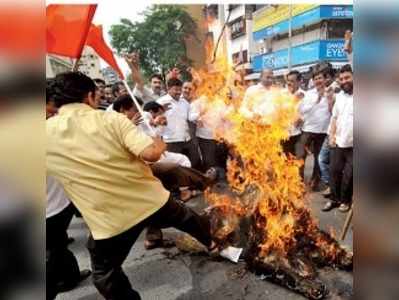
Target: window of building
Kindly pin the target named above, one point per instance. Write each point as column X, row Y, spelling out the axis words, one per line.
column 336, row 28
column 241, row 56
column 237, row 27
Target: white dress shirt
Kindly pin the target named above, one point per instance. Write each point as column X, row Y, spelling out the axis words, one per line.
column 316, row 116
column 252, row 98
column 177, row 129
column 110, row 108
column 296, row 130
column 150, row 129
column 343, row 114
column 147, row 94
column 57, row 200
column 198, row 112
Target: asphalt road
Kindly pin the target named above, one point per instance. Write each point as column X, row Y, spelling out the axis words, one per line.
column 168, row 274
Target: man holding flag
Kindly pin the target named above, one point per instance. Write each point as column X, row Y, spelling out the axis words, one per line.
column 101, row 160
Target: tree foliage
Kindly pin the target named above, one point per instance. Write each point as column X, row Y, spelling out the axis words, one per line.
column 160, row 38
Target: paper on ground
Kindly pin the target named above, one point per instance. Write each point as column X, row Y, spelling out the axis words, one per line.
column 231, row 253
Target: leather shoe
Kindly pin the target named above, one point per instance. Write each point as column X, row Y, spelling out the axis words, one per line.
column 329, row 206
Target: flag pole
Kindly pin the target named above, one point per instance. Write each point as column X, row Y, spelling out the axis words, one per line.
column 75, row 66
column 140, row 110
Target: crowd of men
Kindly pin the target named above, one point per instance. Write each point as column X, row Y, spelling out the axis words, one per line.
column 125, row 168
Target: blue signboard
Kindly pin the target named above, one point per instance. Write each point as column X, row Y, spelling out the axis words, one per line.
column 309, row 17
column 336, row 12
column 331, row 50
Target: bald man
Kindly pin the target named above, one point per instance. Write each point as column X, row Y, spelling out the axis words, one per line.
column 254, row 93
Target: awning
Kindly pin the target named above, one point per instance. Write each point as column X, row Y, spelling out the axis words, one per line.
column 301, row 69
column 305, row 68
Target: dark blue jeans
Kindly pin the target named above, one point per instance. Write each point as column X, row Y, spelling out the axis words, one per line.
column 324, row 162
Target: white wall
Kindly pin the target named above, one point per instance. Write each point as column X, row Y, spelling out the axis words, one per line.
column 244, row 42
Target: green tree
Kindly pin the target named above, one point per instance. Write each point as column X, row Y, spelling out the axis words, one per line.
column 160, row 38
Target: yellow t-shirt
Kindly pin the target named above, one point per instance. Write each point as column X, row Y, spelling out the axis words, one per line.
column 94, row 154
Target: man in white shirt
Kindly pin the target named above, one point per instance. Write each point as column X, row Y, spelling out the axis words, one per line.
column 252, row 94
column 341, row 142
column 316, row 111
column 140, row 91
column 293, row 87
column 152, row 93
column 201, row 117
column 176, row 134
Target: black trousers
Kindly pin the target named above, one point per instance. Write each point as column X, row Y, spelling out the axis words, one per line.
column 108, row 255
column 208, row 152
column 289, row 145
column 187, row 148
column 341, row 174
column 61, row 264
column 174, row 176
column 308, row 139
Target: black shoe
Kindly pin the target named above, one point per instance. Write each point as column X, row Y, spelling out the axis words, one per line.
column 66, row 287
column 329, row 206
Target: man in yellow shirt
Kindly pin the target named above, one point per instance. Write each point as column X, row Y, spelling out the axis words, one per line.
column 100, row 159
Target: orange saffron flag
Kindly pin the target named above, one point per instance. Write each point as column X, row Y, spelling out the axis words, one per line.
column 96, row 41
column 67, row 27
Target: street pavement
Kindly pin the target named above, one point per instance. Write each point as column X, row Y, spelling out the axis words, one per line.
column 166, row 274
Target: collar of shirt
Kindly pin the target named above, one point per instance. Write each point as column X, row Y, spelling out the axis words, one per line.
column 67, row 108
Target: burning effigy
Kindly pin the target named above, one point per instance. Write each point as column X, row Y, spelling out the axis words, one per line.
column 264, row 202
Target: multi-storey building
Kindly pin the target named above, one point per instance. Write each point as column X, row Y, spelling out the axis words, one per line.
column 109, row 75
column 56, row 64
column 89, row 63
column 238, row 39
column 317, row 34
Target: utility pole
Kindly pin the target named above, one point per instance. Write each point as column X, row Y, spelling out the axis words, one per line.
column 290, row 38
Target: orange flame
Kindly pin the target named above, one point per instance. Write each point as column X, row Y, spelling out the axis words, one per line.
column 259, row 160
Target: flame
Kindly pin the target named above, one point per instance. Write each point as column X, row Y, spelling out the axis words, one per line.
column 254, row 132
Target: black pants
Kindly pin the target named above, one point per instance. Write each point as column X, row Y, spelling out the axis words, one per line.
column 108, row 255
column 187, row 148
column 341, row 174
column 174, row 176
column 289, row 145
column 315, row 140
column 61, row 264
column 208, row 152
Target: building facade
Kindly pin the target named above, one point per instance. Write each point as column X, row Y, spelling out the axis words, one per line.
column 317, row 35
column 56, row 64
column 89, row 63
column 237, row 42
column 109, row 75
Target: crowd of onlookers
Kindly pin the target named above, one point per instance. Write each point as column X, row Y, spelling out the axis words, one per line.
column 101, row 140
column 324, row 127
